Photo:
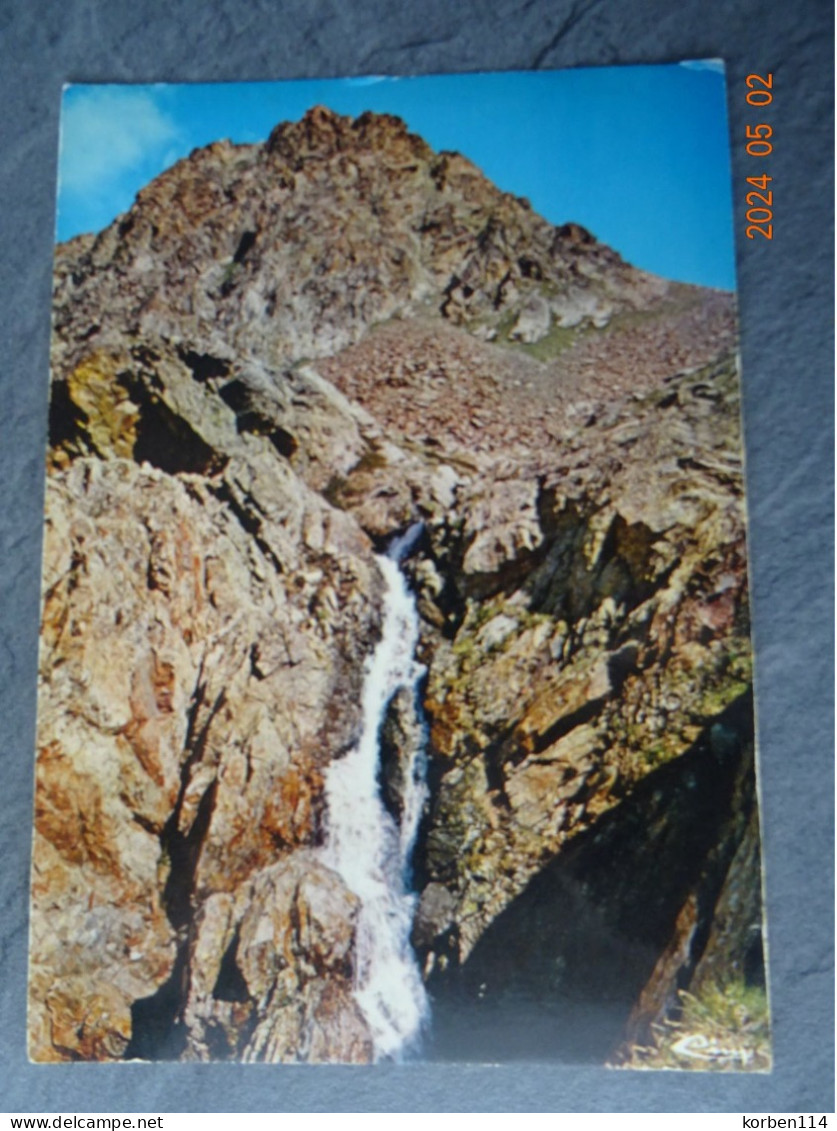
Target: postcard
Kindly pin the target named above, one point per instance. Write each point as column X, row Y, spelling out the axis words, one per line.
column 395, row 666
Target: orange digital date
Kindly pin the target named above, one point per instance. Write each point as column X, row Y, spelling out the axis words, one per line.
column 760, row 219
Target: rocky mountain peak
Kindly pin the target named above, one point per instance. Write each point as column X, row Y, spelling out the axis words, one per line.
column 321, row 134
column 294, row 247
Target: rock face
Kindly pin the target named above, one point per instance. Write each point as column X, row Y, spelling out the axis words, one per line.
column 282, row 356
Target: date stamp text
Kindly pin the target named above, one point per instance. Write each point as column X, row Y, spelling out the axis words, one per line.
column 759, row 203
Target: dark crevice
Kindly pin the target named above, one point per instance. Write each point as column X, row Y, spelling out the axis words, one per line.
column 158, row 1031
column 249, row 521
column 565, row 724
column 183, row 849
column 582, row 940
column 257, row 424
column 448, row 293
column 144, row 823
column 249, row 418
column 236, row 394
column 217, row 1042
column 499, row 294
column 245, row 245
column 530, row 268
column 67, row 422
column 230, row 984
column 204, row 366
column 165, row 439
column 707, row 897
column 495, row 772
column 284, row 442
column 450, row 602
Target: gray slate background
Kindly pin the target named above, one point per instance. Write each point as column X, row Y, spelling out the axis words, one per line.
column 787, row 350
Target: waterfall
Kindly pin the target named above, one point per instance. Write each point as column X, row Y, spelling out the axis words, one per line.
column 365, row 846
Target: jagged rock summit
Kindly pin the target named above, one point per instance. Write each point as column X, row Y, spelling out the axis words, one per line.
column 280, row 357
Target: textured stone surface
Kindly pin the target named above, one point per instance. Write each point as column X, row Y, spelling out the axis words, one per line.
column 787, row 448
column 606, row 659
column 184, row 692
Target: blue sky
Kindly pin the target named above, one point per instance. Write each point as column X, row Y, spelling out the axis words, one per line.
column 639, row 155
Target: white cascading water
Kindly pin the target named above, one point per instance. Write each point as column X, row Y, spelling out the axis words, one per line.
column 366, row 847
